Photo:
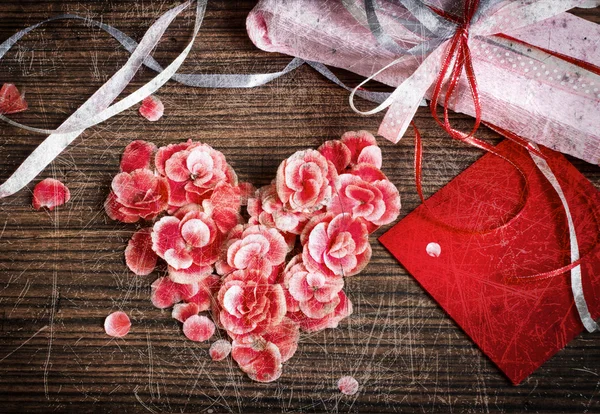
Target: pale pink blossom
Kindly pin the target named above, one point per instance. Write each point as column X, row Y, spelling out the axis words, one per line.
column 50, row 193
column 137, row 195
column 353, row 149
column 305, row 181
column 193, row 171
column 336, row 244
column 378, row 202
column 253, row 247
column 266, row 208
column 189, row 245
column 331, row 320
column 315, row 293
column 248, row 304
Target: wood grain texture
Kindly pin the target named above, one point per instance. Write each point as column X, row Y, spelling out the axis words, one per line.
column 62, row 272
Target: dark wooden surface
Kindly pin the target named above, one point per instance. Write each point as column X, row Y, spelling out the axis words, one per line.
column 61, row 273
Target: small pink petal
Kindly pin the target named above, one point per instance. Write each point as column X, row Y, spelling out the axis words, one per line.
column 198, row 328
column 11, row 101
column 219, row 350
column 152, row 108
column 138, row 154
column 139, row 256
column 117, row 324
column 50, row 193
column 183, row 311
column 348, row 385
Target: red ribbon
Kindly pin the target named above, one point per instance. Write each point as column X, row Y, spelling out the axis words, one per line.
column 456, row 60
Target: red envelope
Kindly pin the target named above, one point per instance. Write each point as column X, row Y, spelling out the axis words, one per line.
column 492, row 228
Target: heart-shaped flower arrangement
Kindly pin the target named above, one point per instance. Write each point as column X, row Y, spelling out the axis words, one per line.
column 262, row 280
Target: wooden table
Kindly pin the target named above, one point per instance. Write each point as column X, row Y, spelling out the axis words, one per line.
column 62, row 272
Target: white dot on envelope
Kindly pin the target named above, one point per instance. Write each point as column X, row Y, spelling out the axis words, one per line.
column 433, row 249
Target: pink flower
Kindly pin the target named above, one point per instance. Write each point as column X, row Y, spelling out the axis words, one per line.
column 354, row 148
column 224, row 206
column 363, row 148
column 207, row 289
column 247, row 304
column 166, row 293
column 377, row 202
column 50, row 193
column 261, row 357
column 189, row 245
column 193, row 170
column 135, row 195
column 254, row 247
column 267, row 209
column 331, row 320
column 316, row 294
column 305, row 181
column 336, row 244
column 138, row 154
column 139, row 257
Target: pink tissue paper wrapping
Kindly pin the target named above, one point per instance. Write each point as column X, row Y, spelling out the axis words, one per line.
column 523, row 90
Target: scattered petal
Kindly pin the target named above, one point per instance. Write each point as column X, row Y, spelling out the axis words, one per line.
column 198, row 328
column 219, row 350
column 348, row 385
column 183, row 311
column 11, row 101
column 152, row 108
column 137, row 154
column 139, row 257
column 50, row 193
column 117, row 324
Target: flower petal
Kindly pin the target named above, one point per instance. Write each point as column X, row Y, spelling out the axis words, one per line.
column 152, row 108
column 219, row 350
column 50, row 193
column 183, row 311
column 348, row 385
column 11, row 101
column 198, row 328
column 262, row 363
column 139, row 256
column 117, row 324
column 138, row 154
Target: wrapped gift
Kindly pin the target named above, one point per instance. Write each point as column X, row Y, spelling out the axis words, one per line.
column 480, row 247
column 535, row 66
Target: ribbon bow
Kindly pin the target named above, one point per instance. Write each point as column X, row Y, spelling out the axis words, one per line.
column 450, row 56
